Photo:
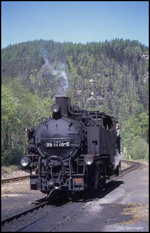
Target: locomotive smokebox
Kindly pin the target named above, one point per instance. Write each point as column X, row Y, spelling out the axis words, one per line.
column 63, row 102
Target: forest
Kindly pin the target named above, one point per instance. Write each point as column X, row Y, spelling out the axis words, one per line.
column 110, row 76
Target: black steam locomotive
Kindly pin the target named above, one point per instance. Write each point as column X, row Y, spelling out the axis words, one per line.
column 75, row 150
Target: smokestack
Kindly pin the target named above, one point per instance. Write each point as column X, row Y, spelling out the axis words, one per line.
column 63, row 102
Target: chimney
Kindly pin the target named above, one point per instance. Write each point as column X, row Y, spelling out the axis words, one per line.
column 63, row 102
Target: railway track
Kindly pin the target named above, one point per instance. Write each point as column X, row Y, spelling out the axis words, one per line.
column 30, row 210
column 24, row 218
column 45, row 202
column 134, row 166
column 14, row 179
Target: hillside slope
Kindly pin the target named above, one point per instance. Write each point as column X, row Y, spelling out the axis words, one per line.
column 111, row 76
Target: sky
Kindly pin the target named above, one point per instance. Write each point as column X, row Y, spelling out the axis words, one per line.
column 74, row 21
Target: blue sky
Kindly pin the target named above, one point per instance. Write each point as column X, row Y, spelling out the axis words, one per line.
column 75, row 21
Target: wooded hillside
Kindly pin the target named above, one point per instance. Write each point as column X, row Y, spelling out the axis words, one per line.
column 112, row 77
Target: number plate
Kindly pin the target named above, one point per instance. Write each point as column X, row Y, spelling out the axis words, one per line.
column 57, row 144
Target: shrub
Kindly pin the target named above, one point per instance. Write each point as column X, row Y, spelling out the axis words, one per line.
column 140, row 149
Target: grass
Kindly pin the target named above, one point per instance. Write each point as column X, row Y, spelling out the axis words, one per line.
column 145, row 161
column 142, row 161
column 10, row 168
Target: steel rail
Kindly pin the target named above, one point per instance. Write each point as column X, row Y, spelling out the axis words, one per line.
column 122, row 173
column 129, row 169
column 14, row 179
column 11, row 218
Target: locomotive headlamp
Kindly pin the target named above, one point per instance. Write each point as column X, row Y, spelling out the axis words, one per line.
column 88, row 159
column 56, row 111
column 55, row 108
column 25, row 161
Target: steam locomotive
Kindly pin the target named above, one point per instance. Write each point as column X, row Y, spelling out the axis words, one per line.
column 75, row 150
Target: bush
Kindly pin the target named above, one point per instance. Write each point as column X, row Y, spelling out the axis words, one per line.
column 140, row 149
column 6, row 157
column 11, row 157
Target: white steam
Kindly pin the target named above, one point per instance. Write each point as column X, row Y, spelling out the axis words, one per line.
column 54, row 71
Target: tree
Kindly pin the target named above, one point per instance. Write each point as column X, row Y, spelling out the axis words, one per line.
column 10, row 121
